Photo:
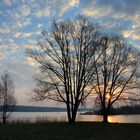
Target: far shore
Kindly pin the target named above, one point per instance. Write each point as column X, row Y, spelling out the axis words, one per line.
column 124, row 110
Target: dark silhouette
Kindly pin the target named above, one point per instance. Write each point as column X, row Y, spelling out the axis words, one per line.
column 67, row 56
column 7, row 99
column 116, row 73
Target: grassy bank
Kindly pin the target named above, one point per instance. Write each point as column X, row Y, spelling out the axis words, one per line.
column 63, row 131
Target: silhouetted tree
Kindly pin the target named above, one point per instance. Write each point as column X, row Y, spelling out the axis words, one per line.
column 7, row 99
column 116, row 73
column 67, row 58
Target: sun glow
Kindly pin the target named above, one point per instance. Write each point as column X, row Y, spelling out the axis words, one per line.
column 108, row 96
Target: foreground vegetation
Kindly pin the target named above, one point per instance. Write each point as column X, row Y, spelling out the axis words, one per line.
column 64, row 131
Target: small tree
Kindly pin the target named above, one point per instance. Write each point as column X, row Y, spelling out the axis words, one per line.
column 116, row 73
column 7, row 99
column 67, row 58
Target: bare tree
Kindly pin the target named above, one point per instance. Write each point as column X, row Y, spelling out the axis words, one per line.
column 67, row 58
column 116, row 73
column 7, row 99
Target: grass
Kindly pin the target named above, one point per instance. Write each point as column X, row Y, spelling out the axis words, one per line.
column 64, row 131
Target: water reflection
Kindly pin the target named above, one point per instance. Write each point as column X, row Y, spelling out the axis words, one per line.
column 114, row 118
column 124, row 118
column 61, row 116
column 89, row 118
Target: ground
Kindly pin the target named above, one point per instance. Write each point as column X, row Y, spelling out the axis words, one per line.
column 64, row 131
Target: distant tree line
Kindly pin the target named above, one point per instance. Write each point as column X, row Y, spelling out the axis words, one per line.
column 122, row 110
column 76, row 61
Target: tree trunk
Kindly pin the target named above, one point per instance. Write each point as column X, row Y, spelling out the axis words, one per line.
column 69, row 116
column 71, row 121
column 4, row 119
column 74, row 113
column 105, row 118
column 105, row 115
column 72, row 118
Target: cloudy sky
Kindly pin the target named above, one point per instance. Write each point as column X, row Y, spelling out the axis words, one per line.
column 21, row 22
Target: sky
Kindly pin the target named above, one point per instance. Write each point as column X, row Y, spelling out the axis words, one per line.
column 21, row 23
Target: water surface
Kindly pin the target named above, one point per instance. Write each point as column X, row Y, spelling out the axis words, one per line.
column 61, row 116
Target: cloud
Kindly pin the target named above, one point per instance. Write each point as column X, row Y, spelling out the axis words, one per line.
column 43, row 13
column 30, row 47
column 121, row 17
column 4, row 46
column 137, row 46
column 56, row 8
column 96, row 12
column 2, row 55
column 4, row 30
column 25, row 34
column 131, row 34
column 25, row 10
column 127, row 33
column 21, row 22
column 63, row 6
column 18, row 17
column 40, row 25
column 8, row 2
column 21, row 34
column 73, row 3
column 124, row 10
column 125, row 6
column 135, row 37
column 1, row 40
column 10, row 40
column 15, row 48
column 30, row 61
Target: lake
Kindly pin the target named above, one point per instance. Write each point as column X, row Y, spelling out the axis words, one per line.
column 61, row 116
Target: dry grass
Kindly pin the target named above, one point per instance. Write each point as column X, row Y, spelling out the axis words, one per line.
column 64, row 131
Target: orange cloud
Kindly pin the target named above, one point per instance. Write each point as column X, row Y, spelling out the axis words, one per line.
column 135, row 37
column 127, row 33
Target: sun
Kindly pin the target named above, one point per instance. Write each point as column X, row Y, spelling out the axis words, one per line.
column 108, row 96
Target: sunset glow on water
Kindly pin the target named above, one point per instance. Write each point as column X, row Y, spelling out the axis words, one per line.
column 61, row 116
